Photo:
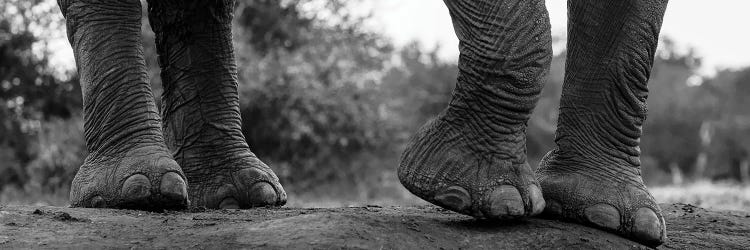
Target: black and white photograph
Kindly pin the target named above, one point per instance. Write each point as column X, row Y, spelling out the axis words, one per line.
column 374, row 124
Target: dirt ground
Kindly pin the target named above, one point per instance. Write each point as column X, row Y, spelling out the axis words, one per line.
column 371, row 227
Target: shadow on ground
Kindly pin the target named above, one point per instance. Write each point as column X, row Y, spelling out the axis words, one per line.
column 370, row 227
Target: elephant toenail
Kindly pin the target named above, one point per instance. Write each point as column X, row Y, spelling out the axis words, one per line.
column 603, row 215
column 98, row 202
column 505, row 201
column 136, row 188
column 262, row 194
column 229, row 203
column 647, row 226
column 455, row 198
column 537, row 201
column 173, row 187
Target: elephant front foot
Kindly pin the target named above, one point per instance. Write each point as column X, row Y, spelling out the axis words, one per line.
column 612, row 198
column 470, row 173
column 144, row 178
column 238, row 184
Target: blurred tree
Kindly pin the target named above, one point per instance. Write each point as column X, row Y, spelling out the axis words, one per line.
column 697, row 126
column 31, row 92
column 309, row 88
column 416, row 87
column 676, row 112
column 726, row 137
column 274, row 24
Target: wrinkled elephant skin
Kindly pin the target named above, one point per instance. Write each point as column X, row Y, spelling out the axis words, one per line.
column 472, row 158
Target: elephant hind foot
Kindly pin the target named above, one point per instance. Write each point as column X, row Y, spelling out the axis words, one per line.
column 146, row 178
column 244, row 183
column 613, row 198
column 461, row 173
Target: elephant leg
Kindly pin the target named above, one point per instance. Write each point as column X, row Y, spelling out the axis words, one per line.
column 593, row 175
column 200, row 109
column 128, row 165
column 472, row 157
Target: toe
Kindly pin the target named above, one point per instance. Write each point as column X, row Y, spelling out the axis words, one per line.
column 537, row 201
column 647, row 226
column 603, row 215
column 259, row 188
column 173, row 188
column 136, row 189
column 454, row 198
column 98, row 202
column 229, row 203
column 505, row 202
column 262, row 194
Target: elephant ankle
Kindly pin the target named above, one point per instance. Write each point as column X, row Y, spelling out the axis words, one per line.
column 492, row 124
column 505, row 140
column 559, row 162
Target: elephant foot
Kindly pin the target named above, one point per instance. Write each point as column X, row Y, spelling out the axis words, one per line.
column 240, row 184
column 201, row 108
column 145, row 178
column 448, row 166
column 612, row 198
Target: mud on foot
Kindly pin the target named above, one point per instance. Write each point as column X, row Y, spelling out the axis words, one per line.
column 616, row 201
column 450, row 167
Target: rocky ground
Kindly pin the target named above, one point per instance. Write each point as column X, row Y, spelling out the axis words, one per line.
column 371, row 227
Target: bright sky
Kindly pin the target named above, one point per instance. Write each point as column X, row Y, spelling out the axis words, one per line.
column 718, row 30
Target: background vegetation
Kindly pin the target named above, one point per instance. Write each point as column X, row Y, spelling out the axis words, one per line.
column 330, row 104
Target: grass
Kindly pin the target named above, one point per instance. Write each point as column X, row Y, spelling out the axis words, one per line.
column 711, row 195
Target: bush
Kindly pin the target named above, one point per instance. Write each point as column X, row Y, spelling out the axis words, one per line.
column 59, row 151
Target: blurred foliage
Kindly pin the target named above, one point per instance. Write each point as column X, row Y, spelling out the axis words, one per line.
column 693, row 117
column 330, row 104
column 310, row 101
column 31, row 95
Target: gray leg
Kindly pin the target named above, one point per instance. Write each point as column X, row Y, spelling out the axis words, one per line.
column 128, row 163
column 201, row 109
column 593, row 176
column 472, row 158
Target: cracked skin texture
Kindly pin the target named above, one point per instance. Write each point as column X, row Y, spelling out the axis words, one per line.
column 199, row 151
column 471, row 159
column 593, row 176
column 201, row 112
column 128, row 163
